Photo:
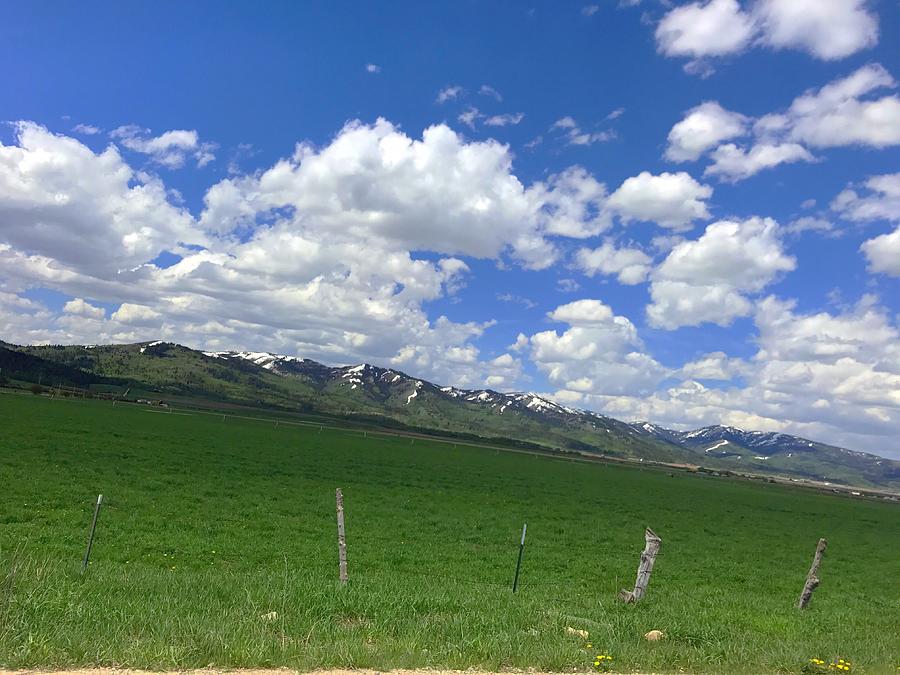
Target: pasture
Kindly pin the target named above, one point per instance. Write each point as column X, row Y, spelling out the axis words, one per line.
column 210, row 526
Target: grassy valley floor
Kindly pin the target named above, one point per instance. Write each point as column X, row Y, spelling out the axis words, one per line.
column 216, row 547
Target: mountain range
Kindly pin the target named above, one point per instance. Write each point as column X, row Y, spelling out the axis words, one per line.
column 161, row 370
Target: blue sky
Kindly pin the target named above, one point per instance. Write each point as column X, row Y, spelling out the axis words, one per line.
column 683, row 212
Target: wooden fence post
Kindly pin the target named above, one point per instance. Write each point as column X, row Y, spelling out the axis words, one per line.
column 812, row 579
column 342, row 539
column 648, row 557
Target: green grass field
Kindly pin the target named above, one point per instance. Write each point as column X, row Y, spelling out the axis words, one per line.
column 210, row 524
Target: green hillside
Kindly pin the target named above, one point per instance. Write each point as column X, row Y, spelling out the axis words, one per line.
column 365, row 393
column 173, row 371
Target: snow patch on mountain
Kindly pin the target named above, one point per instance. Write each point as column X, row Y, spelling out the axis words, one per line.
column 717, row 445
column 415, row 392
column 152, row 344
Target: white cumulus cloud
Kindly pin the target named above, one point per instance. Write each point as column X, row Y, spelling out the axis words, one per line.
column 320, row 254
column 630, row 265
column 855, row 110
column 883, row 253
column 673, row 200
column 599, row 353
column 699, row 29
column 842, row 113
column 79, row 307
column 702, row 128
column 732, row 163
column 90, row 212
column 828, row 376
column 708, row 280
column 881, row 203
column 130, row 313
column 824, row 29
column 714, row 366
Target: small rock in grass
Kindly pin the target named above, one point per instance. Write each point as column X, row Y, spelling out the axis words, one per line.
column 270, row 616
column 654, row 636
column 577, row 631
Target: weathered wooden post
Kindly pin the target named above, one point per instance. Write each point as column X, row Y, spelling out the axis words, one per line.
column 90, row 544
column 648, row 557
column 812, row 579
column 342, row 539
